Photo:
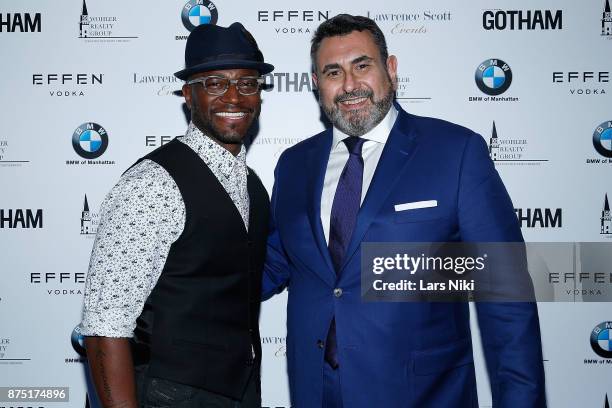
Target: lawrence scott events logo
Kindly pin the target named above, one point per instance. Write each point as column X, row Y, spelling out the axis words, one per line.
column 601, row 340
column 410, row 21
column 6, row 159
column 100, row 28
column 90, row 141
column 198, row 12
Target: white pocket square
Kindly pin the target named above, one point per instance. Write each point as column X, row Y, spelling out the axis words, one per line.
column 415, row 205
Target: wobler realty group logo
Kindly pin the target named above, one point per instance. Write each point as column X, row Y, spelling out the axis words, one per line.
column 6, row 160
column 89, row 220
column 504, row 151
column 493, row 77
column 100, row 28
column 606, row 219
column 606, row 21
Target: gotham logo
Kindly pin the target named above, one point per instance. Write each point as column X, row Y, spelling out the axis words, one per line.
column 21, row 218
column 505, row 151
column 522, row 20
column 20, row 22
column 289, row 82
column 89, row 141
column 601, row 339
column 580, row 83
column 100, row 28
column 539, row 217
column 67, row 84
column 292, row 22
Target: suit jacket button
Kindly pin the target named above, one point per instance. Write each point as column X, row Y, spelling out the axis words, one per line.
column 338, row 292
column 320, row 344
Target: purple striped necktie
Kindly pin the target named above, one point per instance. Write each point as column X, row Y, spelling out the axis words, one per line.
column 345, row 207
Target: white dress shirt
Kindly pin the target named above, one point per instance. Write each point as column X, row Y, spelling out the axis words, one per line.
column 372, row 150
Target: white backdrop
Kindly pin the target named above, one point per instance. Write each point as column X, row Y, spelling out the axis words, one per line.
column 126, row 86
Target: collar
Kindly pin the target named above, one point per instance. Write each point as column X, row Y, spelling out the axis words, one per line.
column 379, row 134
column 216, row 157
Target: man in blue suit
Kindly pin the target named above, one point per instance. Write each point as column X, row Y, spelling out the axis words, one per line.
column 383, row 175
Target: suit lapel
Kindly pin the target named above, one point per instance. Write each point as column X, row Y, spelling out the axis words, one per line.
column 318, row 157
column 397, row 151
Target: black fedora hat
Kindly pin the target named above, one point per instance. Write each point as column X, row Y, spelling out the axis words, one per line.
column 210, row 47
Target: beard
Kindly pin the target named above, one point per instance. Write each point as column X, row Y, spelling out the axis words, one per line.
column 358, row 122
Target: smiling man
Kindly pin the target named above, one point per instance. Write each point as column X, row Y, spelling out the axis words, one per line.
column 383, row 175
column 173, row 290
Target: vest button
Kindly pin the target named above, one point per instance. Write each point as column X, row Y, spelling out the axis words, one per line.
column 320, row 344
column 338, row 292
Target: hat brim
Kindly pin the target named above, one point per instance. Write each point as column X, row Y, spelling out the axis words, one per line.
column 262, row 67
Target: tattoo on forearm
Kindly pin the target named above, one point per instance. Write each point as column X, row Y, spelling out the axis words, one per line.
column 108, row 394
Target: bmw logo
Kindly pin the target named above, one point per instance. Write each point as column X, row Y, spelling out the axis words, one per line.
column 602, row 139
column 493, row 77
column 76, row 338
column 601, row 339
column 197, row 12
column 90, row 140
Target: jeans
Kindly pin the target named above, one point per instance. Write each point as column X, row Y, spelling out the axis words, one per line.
column 161, row 393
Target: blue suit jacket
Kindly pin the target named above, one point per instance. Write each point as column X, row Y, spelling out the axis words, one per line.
column 399, row 354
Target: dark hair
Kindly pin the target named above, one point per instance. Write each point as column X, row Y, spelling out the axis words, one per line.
column 344, row 24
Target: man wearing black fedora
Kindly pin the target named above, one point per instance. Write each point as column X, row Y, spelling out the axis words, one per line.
column 173, row 291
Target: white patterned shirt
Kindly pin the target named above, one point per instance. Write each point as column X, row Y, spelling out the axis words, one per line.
column 140, row 218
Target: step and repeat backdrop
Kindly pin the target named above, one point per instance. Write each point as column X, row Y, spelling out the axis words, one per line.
column 87, row 88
